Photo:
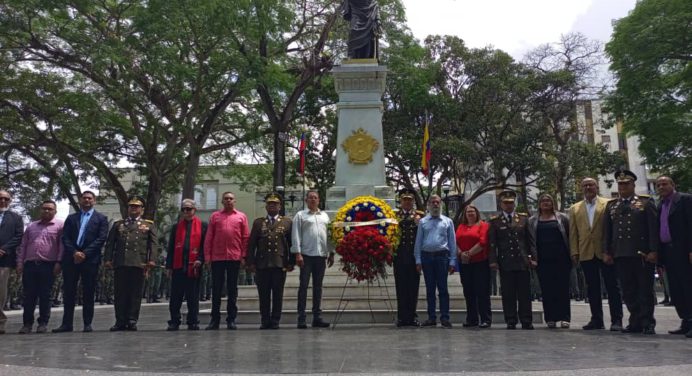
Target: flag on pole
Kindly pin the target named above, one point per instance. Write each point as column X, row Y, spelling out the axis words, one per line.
column 301, row 151
column 426, row 155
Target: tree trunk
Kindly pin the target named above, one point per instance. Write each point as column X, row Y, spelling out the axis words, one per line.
column 191, row 169
column 279, row 172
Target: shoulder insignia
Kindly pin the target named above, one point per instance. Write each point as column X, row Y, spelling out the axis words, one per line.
column 149, row 221
column 523, row 214
column 493, row 217
column 646, row 197
column 420, row 212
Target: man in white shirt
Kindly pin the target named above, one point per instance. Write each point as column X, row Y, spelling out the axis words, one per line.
column 309, row 244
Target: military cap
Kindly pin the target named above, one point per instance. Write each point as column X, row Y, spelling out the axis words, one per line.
column 624, row 176
column 135, row 200
column 508, row 196
column 272, row 197
column 407, row 193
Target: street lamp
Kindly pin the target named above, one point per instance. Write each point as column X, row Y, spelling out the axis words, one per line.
column 280, row 189
column 445, row 189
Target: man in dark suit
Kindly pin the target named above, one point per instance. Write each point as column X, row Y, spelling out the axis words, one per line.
column 269, row 257
column 511, row 254
column 406, row 278
column 83, row 237
column 631, row 242
column 675, row 214
column 11, row 230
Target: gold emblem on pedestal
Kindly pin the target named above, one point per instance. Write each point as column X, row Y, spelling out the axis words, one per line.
column 360, row 147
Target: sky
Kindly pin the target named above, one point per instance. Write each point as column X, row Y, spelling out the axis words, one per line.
column 515, row 26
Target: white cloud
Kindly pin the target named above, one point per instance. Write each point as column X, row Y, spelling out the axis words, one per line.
column 514, row 26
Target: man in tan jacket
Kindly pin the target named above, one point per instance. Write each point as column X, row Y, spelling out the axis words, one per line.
column 586, row 248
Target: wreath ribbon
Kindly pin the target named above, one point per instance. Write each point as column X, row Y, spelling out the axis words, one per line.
column 366, row 223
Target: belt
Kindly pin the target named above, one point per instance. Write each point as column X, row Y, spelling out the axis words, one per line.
column 39, row 262
column 436, row 253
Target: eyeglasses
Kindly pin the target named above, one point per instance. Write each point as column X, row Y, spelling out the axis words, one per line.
column 134, row 206
column 4, row 199
column 187, row 209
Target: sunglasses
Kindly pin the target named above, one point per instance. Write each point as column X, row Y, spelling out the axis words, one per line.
column 187, row 209
column 134, row 206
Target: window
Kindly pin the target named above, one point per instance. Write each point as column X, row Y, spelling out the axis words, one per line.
column 206, row 195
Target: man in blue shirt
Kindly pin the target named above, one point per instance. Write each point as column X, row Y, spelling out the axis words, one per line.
column 435, row 254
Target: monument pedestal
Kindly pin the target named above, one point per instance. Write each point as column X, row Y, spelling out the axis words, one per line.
column 360, row 146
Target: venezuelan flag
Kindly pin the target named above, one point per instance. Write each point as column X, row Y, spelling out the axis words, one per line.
column 301, row 151
column 426, row 155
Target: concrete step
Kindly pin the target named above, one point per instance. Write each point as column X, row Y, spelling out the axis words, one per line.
column 359, row 316
column 375, row 302
column 347, row 290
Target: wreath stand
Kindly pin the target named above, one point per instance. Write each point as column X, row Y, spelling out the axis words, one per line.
column 345, row 300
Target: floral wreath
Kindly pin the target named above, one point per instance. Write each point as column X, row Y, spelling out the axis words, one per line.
column 366, row 232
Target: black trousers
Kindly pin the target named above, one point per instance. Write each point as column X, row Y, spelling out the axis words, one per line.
column 224, row 271
column 128, row 284
column 593, row 271
column 679, row 272
column 314, row 266
column 554, row 278
column 475, row 281
column 37, row 281
column 516, row 289
column 637, row 281
column 183, row 286
column 71, row 274
column 406, row 281
column 270, row 288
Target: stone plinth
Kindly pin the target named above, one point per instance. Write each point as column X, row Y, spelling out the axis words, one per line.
column 360, row 84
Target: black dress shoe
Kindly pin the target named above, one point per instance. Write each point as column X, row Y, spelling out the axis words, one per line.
column 319, row 323
column 88, row 329
column 511, row 326
column 62, row 329
column 689, row 334
column 527, row 326
column 446, row 324
column 302, row 325
column 469, row 324
column 264, row 326
column 212, row 326
column 231, row 326
column 415, row 323
column 429, row 322
column 593, row 326
column 616, row 327
column 274, row 325
column 680, row 330
column 631, row 329
column 400, row 323
column 132, row 327
column 117, row 328
column 192, row 327
column 649, row 330
column 484, row 325
column 172, row 327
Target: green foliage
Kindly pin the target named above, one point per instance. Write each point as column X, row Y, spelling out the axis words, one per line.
column 650, row 53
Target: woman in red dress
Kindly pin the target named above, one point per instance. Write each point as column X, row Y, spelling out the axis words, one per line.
column 472, row 253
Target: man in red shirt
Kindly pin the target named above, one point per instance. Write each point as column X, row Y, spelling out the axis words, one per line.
column 225, row 248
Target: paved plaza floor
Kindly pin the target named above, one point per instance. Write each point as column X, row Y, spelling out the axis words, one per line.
column 362, row 349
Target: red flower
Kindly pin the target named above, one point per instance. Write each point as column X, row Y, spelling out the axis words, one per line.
column 365, row 252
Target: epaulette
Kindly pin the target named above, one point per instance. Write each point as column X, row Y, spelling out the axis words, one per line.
column 644, row 196
column 149, row 221
column 523, row 214
column 493, row 217
column 420, row 212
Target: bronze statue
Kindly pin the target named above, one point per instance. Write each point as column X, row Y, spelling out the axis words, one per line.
column 364, row 28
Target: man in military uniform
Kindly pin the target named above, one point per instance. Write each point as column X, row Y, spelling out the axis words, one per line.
column 131, row 249
column 511, row 254
column 269, row 257
column 631, row 242
column 406, row 278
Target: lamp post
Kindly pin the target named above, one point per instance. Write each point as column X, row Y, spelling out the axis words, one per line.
column 445, row 189
column 281, row 190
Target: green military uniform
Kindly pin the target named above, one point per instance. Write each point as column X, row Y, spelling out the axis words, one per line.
column 631, row 232
column 154, row 281
column 56, row 289
column 269, row 254
column 508, row 236
column 406, row 277
column 132, row 243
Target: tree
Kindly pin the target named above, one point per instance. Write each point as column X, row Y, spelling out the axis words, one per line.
column 563, row 73
column 477, row 99
column 651, row 56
